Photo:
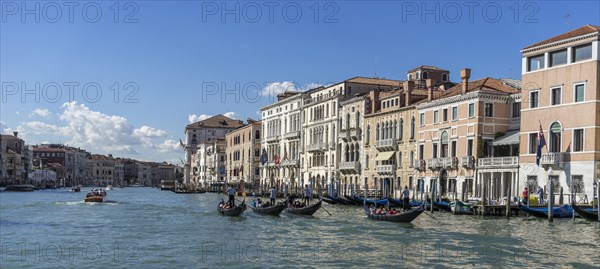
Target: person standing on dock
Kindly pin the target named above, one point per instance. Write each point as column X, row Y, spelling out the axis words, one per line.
column 540, row 193
column 273, row 192
column 231, row 193
column 525, row 196
column 406, row 198
column 306, row 193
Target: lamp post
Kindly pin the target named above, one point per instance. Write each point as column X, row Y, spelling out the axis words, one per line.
column 597, row 187
column 550, row 194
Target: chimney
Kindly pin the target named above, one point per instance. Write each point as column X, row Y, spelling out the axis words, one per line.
column 409, row 85
column 15, row 134
column 465, row 74
column 429, row 84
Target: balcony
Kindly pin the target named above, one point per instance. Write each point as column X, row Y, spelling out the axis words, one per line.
column 386, row 169
column 498, row 162
column 350, row 167
column 554, row 158
column 291, row 135
column 345, row 135
column 386, row 144
column 467, row 161
column 272, row 138
column 355, row 133
column 316, row 147
column 446, row 162
column 290, row 163
column 419, row 165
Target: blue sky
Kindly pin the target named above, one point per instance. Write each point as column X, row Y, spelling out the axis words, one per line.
column 171, row 62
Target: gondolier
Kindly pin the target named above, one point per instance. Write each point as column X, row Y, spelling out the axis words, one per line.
column 273, row 193
column 306, row 194
column 406, row 198
column 231, row 193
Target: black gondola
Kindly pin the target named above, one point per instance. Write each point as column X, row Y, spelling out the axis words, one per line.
column 232, row 212
column 586, row 214
column 330, row 201
column 406, row 217
column 307, row 210
column 353, row 200
column 271, row 210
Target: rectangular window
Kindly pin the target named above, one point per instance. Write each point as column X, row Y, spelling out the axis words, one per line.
column 422, row 119
column 489, row 110
column 516, row 110
column 453, row 149
column 435, row 116
column 445, row 114
column 535, row 63
column 578, row 140
column 579, row 93
column 470, row 147
column 533, row 140
column 434, row 150
column 582, row 53
column 455, row 113
column 534, row 99
column 421, row 151
column 471, row 110
column 556, row 95
column 558, row 57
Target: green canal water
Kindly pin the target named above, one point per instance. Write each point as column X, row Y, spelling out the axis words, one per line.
column 148, row 228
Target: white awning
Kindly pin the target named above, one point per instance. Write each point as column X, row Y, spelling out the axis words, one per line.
column 510, row 138
column 384, row 156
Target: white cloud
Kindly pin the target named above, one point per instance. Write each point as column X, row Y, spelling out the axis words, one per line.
column 230, row 115
column 2, row 127
column 170, row 145
column 44, row 113
column 146, row 134
column 275, row 88
column 195, row 118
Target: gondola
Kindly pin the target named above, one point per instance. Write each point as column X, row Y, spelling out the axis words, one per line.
column 379, row 202
column 306, row 211
column 461, row 208
column 339, row 200
column 560, row 212
column 234, row 211
column 271, row 210
column 353, row 200
column 330, row 201
column 587, row 214
column 396, row 202
column 405, row 217
column 445, row 206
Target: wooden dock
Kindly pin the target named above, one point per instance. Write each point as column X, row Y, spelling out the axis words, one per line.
column 495, row 210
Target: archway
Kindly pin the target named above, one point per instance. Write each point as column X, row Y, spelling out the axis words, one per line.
column 443, row 183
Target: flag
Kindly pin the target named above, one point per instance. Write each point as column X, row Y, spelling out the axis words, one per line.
column 541, row 143
column 181, row 143
column 264, row 158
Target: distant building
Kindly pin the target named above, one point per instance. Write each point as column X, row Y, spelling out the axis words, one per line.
column 103, row 170
column 243, row 154
column 205, row 131
column 15, row 160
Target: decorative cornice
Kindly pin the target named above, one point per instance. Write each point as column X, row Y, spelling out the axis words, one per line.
column 494, row 97
column 560, row 42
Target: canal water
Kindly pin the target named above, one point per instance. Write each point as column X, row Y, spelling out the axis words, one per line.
column 148, row 228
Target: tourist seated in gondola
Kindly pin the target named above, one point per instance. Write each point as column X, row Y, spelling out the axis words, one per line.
column 258, row 203
column 392, row 211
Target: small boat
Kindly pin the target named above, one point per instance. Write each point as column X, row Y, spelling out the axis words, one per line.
column 271, row 210
column 461, row 208
column 586, row 213
column 109, row 187
column 339, row 199
column 396, row 202
column 20, row 188
column 330, row 201
column 353, row 200
column 560, row 212
column 95, row 196
column 76, row 188
column 307, row 210
column 232, row 212
column 445, row 206
column 182, row 191
column 371, row 202
column 406, row 217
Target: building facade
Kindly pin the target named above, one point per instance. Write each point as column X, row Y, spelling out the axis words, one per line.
column 561, row 97
column 243, row 155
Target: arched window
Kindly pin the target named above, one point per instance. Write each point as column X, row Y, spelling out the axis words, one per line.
column 395, row 129
column 444, row 143
column 418, row 75
column 409, row 77
column 401, row 129
column 347, row 120
column 356, row 153
column 444, row 77
column 425, row 75
column 347, row 153
column 357, row 120
column 257, row 134
column 412, row 157
column 377, row 133
column 368, row 136
column 555, row 137
column 399, row 163
column 352, row 152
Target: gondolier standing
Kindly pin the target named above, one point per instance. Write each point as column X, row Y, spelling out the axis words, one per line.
column 406, row 198
column 231, row 194
column 306, row 193
column 273, row 192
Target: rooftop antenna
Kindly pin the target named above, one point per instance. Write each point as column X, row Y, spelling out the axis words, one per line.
column 376, row 60
column 567, row 21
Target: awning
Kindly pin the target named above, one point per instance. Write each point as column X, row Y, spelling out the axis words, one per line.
column 384, row 156
column 510, row 138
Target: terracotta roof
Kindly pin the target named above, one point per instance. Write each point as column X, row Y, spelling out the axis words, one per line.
column 218, row 121
column 587, row 29
column 428, row 67
column 487, row 84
